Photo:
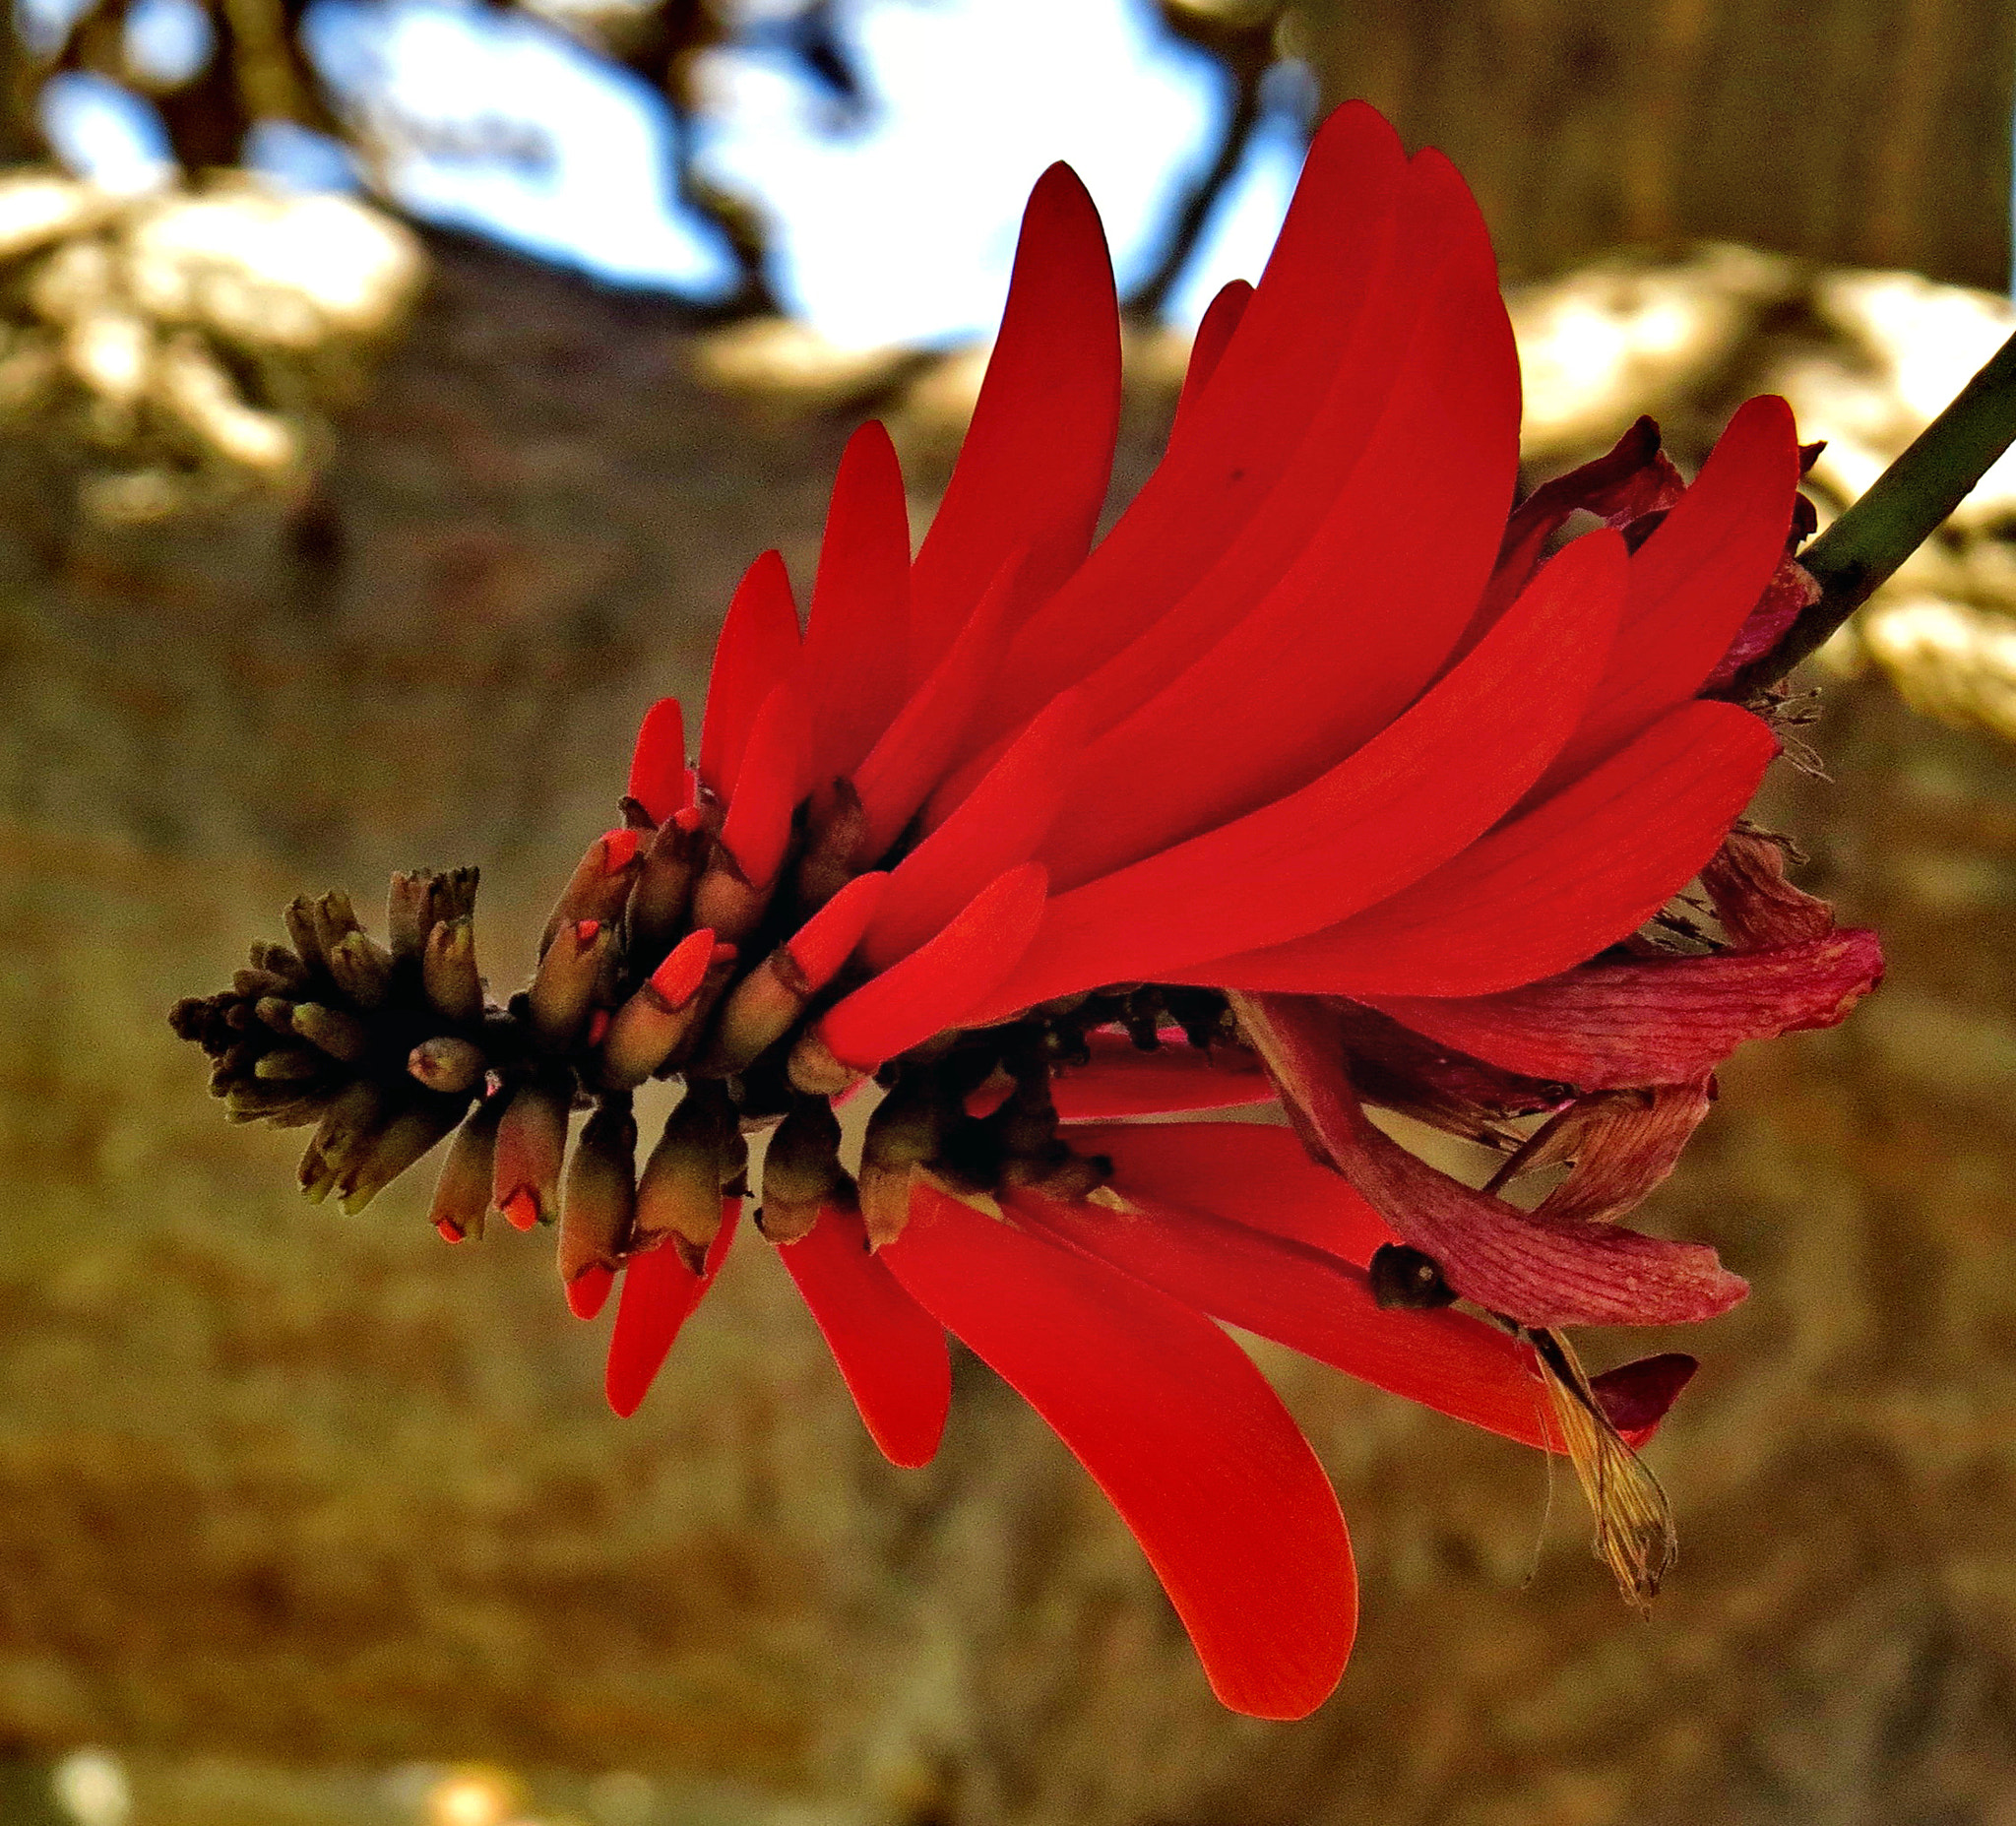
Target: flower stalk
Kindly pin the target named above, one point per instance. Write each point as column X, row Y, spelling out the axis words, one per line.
column 1898, row 512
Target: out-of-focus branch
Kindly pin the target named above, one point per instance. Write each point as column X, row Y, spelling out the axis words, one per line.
column 1897, row 513
column 1242, row 39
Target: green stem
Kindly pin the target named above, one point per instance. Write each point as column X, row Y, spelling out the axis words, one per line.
column 1900, row 509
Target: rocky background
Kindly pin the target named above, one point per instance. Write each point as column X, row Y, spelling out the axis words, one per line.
column 297, row 1511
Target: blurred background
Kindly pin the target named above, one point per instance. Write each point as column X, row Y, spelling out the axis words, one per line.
column 390, row 391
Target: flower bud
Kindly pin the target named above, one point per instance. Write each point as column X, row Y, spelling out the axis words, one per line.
column 598, row 887
column 907, row 1131
column 362, row 968
column 801, row 1171
column 531, row 1143
column 447, row 968
column 396, row 1147
column 596, row 1213
column 664, row 889
column 446, row 1064
column 462, row 1195
column 679, row 1196
column 664, row 1013
column 334, row 1031
column 564, row 986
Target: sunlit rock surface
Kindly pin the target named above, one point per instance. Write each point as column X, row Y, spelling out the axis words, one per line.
column 279, row 1488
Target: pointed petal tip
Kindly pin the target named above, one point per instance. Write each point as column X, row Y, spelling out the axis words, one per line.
column 589, row 1290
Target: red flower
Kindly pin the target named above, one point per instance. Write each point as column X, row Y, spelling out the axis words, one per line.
column 1296, row 725
column 1313, row 779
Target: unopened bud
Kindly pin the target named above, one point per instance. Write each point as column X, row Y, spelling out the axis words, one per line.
column 531, row 1141
column 298, row 916
column 836, row 826
column 653, row 1024
column 446, row 1064
column 599, row 886
column 759, row 1011
column 334, row 1031
column 254, row 984
column 362, row 968
column 397, row 1146
column 334, row 919
column 277, row 1012
column 285, row 1063
column 278, row 1104
column 816, row 1070
column 801, row 1171
column 462, row 1195
column 447, row 968
column 679, row 1196
column 279, row 961
column 356, row 1113
column 564, row 986
column 664, row 889
column 907, row 1130
column 725, row 901
column 596, row 1214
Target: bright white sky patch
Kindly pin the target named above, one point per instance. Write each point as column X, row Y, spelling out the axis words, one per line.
column 904, row 232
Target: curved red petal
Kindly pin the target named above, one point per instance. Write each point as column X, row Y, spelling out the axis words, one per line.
column 912, row 753
column 859, row 619
column 1694, row 582
column 659, row 1292
column 769, row 783
column 1249, row 1172
column 828, row 939
column 1247, row 428
column 889, row 1349
column 1547, row 889
column 1180, row 1432
column 659, row 781
column 1324, row 639
column 1313, row 1304
column 933, row 988
column 1123, row 1080
column 1206, row 347
column 997, row 826
column 757, row 652
column 1425, row 787
column 1656, row 1021
column 1033, row 470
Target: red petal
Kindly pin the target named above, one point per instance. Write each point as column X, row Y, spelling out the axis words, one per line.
column 659, row 778
column 1324, row 639
column 659, row 1292
column 1547, row 889
column 1661, row 1021
column 916, row 750
column 1637, row 1395
column 1033, row 470
column 1124, row 1081
column 932, row 988
column 758, row 828
column 1694, row 582
column 889, row 1348
column 1206, row 347
column 1631, row 1141
column 1180, row 1432
column 1313, row 1304
column 1248, row 426
column 998, row 825
column 860, row 607
column 757, row 652
column 1423, row 788
column 1248, row 1172
column 828, row 939
column 1538, row 1269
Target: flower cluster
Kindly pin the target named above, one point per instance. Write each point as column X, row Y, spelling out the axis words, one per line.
column 1314, row 787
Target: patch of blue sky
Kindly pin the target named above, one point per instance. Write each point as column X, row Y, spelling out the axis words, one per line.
column 903, row 229
column 96, row 127
column 893, row 225
column 445, row 80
